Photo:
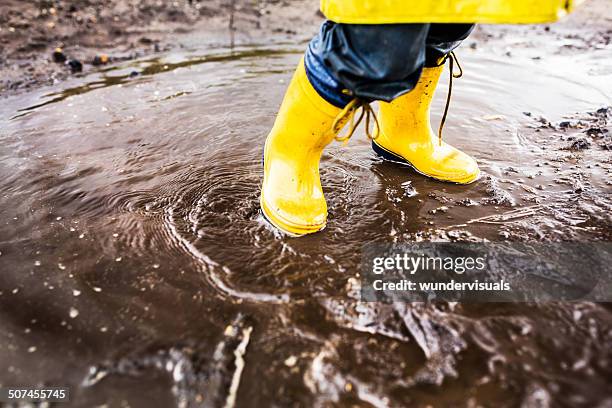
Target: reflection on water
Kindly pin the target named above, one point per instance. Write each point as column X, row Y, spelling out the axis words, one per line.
column 136, row 265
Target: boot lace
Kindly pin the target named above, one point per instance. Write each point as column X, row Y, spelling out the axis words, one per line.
column 452, row 58
column 348, row 115
column 350, row 111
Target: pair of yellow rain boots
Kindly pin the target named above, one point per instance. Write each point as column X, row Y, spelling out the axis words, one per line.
column 291, row 196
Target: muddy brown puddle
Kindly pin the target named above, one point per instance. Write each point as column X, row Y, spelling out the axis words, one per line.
column 136, row 268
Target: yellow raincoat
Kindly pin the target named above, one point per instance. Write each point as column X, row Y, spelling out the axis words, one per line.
column 446, row 11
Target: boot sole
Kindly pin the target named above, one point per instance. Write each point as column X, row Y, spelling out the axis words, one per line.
column 392, row 157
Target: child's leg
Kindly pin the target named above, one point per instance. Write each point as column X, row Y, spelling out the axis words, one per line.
column 442, row 39
column 372, row 62
column 376, row 62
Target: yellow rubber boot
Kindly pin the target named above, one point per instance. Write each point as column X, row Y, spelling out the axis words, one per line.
column 291, row 195
column 406, row 135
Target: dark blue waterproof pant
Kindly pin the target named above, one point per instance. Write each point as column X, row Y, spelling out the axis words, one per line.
column 376, row 62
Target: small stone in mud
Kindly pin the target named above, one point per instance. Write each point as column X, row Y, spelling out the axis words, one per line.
column 58, row 55
column 529, row 189
column 409, row 190
column 510, row 169
column 230, row 331
column 76, row 292
column 577, row 187
column 75, row 66
column 291, row 361
column 73, row 313
column 543, row 121
column 440, row 198
column 594, row 131
column 497, row 195
column 100, row 60
column 442, row 209
column 580, row 144
column 134, row 74
column 466, row 202
column 455, row 235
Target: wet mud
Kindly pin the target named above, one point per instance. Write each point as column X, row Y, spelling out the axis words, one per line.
column 137, row 269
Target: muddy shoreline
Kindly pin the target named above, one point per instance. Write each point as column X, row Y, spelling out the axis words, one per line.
column 123, row 29
column 126, row 29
